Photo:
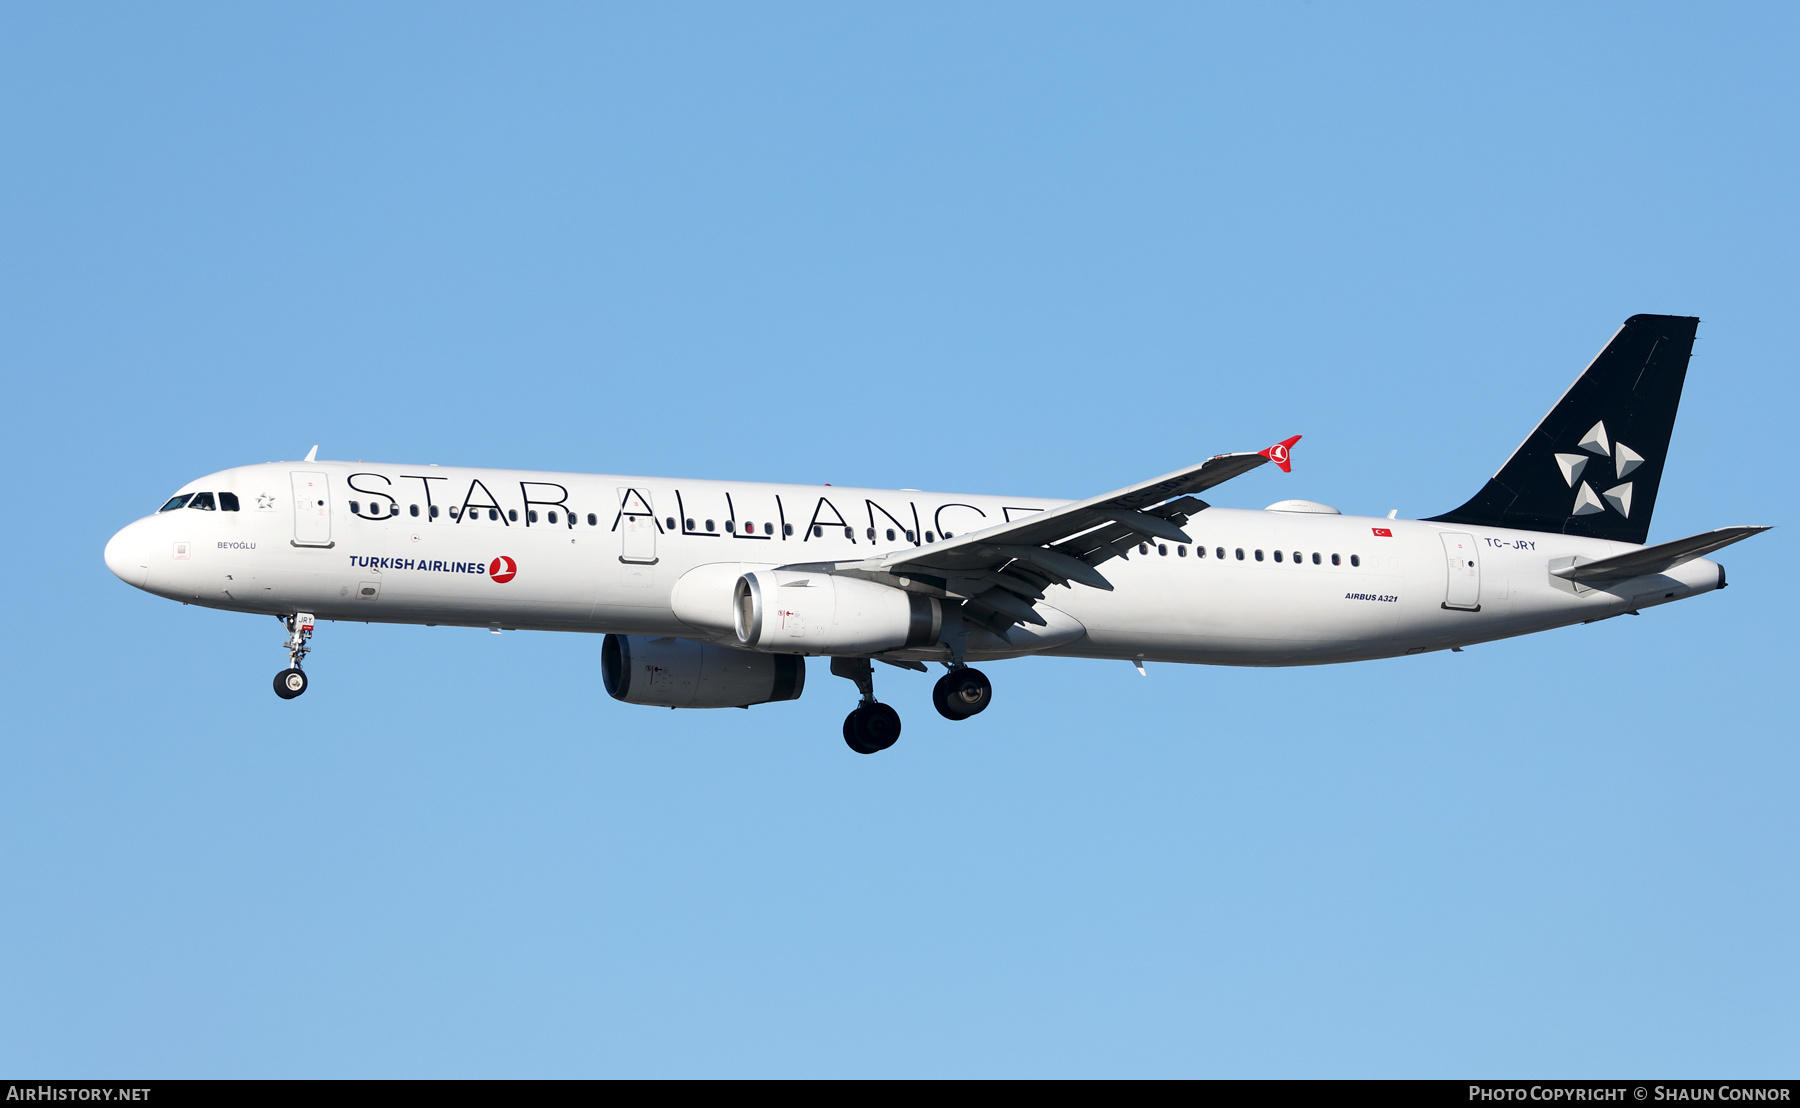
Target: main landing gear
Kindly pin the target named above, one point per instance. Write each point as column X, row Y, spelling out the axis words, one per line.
column 874, row 726
column 291, row 682
column 961, row 693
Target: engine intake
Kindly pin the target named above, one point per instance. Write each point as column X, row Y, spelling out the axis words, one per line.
column 680, row 673
column 820, row 613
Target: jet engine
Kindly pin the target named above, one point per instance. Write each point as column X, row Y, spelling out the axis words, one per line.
column 679, row 673
column 820, row 613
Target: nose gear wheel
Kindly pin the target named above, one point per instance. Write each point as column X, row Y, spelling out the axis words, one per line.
column 291, row 682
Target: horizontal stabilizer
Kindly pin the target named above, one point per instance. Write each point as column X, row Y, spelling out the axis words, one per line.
column 1656, row 559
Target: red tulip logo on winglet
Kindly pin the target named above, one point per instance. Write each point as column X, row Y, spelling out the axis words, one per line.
column 1279, row 453
column 503, row 570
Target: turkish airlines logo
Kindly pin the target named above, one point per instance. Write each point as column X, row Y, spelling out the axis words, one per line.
column 1383, row 532
column 503, row 570
column 1279, row 454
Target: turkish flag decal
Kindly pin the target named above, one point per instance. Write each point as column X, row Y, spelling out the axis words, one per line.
column 1382, row 532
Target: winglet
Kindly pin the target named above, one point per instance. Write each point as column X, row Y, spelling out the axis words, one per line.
column 313, row 455
column 1279, row 453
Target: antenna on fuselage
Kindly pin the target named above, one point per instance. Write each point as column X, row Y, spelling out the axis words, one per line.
column 313, row 454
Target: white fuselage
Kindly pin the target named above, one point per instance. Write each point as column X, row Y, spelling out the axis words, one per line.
column 1308, row 589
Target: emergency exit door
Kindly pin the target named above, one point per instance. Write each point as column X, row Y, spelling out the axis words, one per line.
column 312, row 509
column 1463, row 565
column 637, row 528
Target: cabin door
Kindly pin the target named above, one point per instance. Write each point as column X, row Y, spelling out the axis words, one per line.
column 1463, row 564
column 312, row 509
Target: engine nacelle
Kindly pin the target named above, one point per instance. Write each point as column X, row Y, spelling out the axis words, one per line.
column 819, row 613
column 681, row 673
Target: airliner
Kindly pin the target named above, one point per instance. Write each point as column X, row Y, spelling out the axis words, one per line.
column 713, row 594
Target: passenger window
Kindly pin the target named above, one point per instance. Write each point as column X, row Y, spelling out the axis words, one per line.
column 1143, row 548
column 731, row 525
column 493, row 515
column 594, row 521
column 1220, row 553
column 551, row 517
column 871, row 534
column 1315, row 557
column 1240, row 553
column 1277, row 555
column 1336, row 561
column 512, row 514
column 909, row 537
column 1259, row 555
column 1162, row 550
column 850, row 533
column 928, row 537
column 787, row 529
column 890, row 534
column 414, row 509
column 433, row 511
column 530, row 516
column 944, row 535
column 202, row 501
column 175, row 502
column 355, row 508
column 668, row 523
column 1356, row 559
column 709, row 525
column 818, row 531
column 228, row 502
column 690, row 525
column 1181, row 552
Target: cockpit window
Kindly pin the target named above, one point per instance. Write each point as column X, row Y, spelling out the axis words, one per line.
column 175, row 502
column 228, row 502
column 204, row 502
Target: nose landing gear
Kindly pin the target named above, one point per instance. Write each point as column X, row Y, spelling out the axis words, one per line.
column 872, row 726
column 961, row 693
column 291, row 682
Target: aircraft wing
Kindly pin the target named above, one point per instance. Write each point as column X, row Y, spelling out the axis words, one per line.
column 1656, row 559
column 1001, row 571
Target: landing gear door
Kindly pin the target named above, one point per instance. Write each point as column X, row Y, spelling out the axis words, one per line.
column 312, row 510
column 636, row 526
column 1463, row 565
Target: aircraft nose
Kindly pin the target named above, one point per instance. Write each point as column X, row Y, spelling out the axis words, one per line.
column 128, row 556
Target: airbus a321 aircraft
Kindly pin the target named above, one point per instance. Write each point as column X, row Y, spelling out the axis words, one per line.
column 712, row 594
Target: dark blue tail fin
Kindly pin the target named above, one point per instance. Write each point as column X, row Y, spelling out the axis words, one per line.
column 1593, row 465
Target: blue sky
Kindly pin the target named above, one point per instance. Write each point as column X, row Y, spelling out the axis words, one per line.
column 1033, row 249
